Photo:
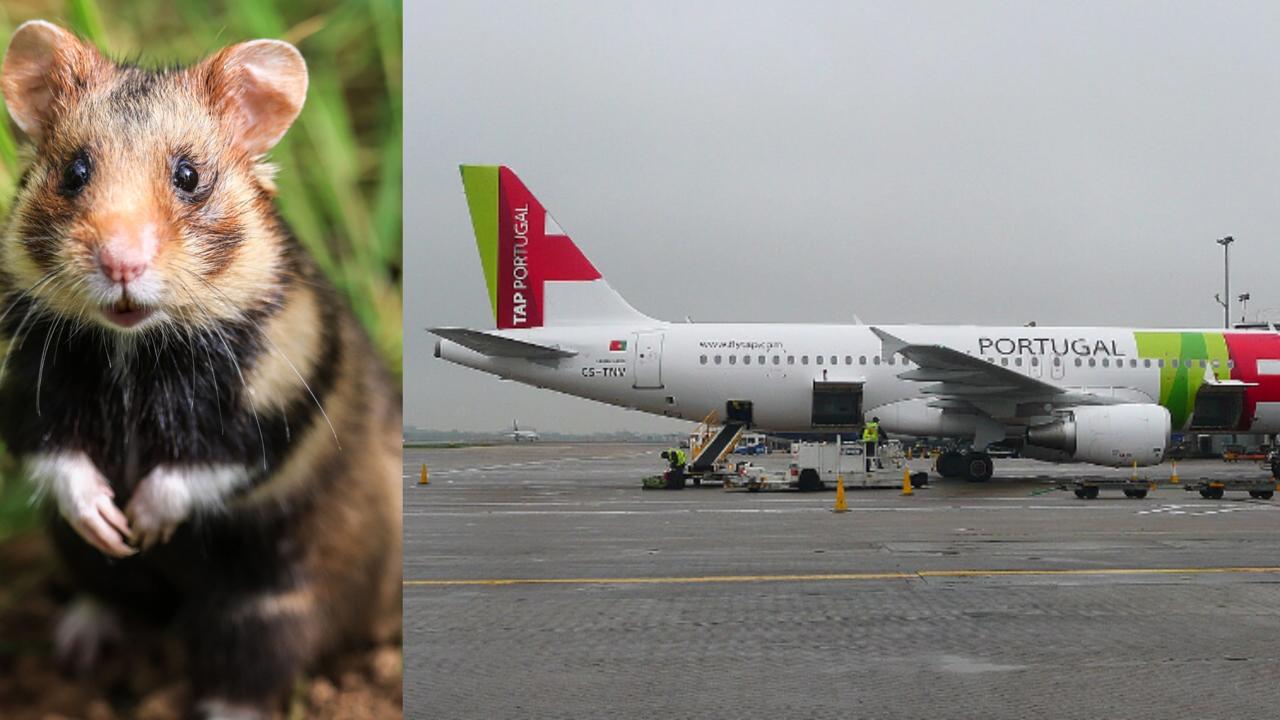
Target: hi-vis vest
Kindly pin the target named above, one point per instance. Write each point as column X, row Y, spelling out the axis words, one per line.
column 871, row 433
column 677, row 457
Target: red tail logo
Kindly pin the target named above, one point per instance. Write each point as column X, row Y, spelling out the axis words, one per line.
column 532, row 249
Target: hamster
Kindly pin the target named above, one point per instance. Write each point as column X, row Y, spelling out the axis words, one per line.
column 196, row 402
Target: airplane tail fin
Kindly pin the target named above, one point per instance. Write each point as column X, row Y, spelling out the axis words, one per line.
column 536, row 275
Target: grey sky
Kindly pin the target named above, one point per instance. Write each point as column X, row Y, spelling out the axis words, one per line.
column 910, row 162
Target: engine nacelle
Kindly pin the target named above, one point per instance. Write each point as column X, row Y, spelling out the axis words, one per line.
column 1116, row 435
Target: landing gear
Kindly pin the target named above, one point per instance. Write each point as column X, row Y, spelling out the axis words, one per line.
column 972, row 466
column 978, row 467
column 951, row 464
column 1090, row 492
column 1262, row 494
column 1136, row 494
column 1211, row 493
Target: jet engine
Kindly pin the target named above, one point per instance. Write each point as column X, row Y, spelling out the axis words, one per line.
column 1115, row 435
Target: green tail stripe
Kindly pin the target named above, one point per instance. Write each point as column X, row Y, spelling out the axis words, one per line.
column 481, row 185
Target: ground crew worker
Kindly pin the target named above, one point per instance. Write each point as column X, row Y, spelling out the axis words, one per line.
column 870, row 440
column 677, row 460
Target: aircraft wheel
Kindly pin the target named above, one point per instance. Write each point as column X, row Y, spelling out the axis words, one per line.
column 1211, row 493
column 1080, row 493
column 950, row 464
column 1091, row 492
column 1275, row 469
column 978, row 467
column 1262, row 494
column 1136, row 494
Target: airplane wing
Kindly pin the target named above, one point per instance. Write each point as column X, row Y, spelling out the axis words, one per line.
column 961, row 382
column 499, row 346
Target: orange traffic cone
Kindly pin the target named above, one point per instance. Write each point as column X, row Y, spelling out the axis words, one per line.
column 841, row 505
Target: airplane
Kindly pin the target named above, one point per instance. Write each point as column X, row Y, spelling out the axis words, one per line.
column 518, row 435
column 1102, row 395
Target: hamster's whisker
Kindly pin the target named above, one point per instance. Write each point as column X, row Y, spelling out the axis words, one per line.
column 27, row 292
column 56, row 329
column 283, row 356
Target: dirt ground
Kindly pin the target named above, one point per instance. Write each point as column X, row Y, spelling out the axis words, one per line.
column 145, row 681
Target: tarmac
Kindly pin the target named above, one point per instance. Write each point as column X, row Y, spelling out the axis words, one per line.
column 542, row 582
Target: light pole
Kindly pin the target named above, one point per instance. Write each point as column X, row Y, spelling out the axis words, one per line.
column 1244, row 306
column 1225, row 299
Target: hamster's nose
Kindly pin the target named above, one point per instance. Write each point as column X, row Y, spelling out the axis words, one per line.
column 123, row 264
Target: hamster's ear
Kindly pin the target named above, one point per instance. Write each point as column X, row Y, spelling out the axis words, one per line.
column 45, row 66
column 260, row 86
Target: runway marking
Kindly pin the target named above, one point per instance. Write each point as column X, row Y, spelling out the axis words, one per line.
column 846, row 577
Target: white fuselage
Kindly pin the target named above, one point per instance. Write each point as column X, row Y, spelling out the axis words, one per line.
column 690, row 370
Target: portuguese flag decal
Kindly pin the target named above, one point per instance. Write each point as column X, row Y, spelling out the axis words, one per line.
column 617, row 345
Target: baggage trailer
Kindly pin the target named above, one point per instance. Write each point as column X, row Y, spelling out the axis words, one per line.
column 1258, row 488
column 1088, row 488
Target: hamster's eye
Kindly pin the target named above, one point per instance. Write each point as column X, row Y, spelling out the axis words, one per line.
column 185, row 177
column 76, row 175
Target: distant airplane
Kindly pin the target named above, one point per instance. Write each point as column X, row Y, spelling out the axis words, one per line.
column 1108, row 396
column 518, row 435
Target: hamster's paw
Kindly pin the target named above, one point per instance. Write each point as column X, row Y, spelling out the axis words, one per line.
column 159, row 505
column 85, row 499
column 84, row 633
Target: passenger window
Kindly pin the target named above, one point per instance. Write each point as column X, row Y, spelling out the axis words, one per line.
column 1035, row 362
column 718, row 358
column 1057, row 361
column 818, row 359
column 875, row 359
column 1160, row 362
column 804, row 359
column 1215, row 364
column 1175, row 362
column 1202, row 364
column 1093, row 362
column 1133, row 362
column 791, row 359
column 703, row 360
column 777, row 359
column 1017, row 361
column 760, row 359
column 835, row 360
column 862, row 359
column 890, row 359
column 1146, row 362
column 1004, row 361
column 1106, row 362
column 848, row 359
column 1078, row 362
column 1231, row 363
column 733, row 359
column 746, row 359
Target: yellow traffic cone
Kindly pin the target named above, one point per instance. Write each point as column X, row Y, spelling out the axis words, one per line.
column 1173, row 479
column 422, row 480
column 841, row 505
column 906, row 482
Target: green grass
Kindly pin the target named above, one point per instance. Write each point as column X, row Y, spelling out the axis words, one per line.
column 340, row 164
